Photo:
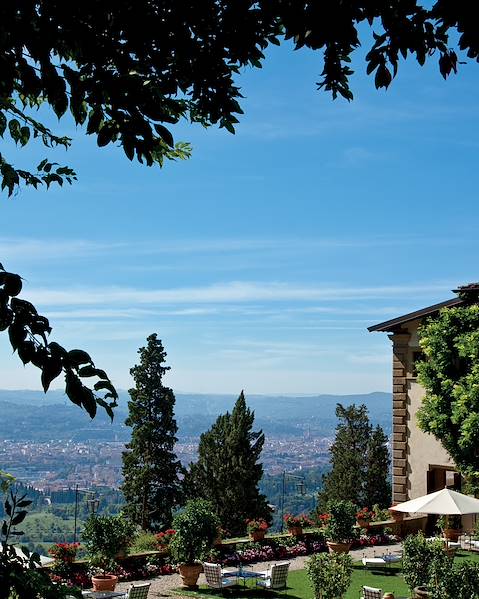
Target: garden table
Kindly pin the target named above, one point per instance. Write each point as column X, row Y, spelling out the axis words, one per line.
column 244, row 574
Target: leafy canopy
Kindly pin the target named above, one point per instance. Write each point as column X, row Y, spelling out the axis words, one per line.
column 129, row 71
column 329, row 574
column 196, row 528
column 449, row 372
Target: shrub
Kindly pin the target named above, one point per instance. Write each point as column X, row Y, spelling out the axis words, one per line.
column 301, row 521
column 466, row 580
column 164, row 538
column 380, row 514
column 196, row 529
column 329, row 574
column 144, row 541
column 64, row 552
column 365, row 514
column 256, row 525
column 107, row 535
column 418, row 556
column 340, row 525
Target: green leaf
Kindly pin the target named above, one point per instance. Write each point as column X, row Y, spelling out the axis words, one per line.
column 165, row 135
column 24, row 135
column 14, row 128
column 19, row 517
column 89, row 402
column 51, row 369
column 78, row 357
column 3, row 124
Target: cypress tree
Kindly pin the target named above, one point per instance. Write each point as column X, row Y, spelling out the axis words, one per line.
column 359, row 461
column 377, row 488
column 228, row 470
column 348, row 453
column 151, row 471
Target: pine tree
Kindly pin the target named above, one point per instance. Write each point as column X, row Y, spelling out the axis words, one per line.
column 151, row 471
column 228, row 470
column 359, row 461
column 377, row 488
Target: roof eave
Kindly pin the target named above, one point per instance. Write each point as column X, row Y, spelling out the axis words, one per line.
column 394, row 323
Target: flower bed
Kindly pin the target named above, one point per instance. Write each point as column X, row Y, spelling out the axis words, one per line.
column 131, row 568
column 144, row 567
column 287, row 548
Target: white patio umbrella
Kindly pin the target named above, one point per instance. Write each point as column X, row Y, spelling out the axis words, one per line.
column 444, row 502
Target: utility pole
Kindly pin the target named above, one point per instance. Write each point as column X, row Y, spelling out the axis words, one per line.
column 93, row 504
column 301, row 488
column 76, row 514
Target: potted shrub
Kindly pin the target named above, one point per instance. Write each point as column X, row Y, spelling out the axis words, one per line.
column 323, row 520
column 196, row 529
column 339, row 530
column 451, row 527
column 106, row 539
column 101, row 569
column 256, row 529
column 424, row 564
column 364, row 517
column 329, row 574
column 64, row 552
column 163, row 539
column 381, row 514
column 295, row 524
column 108, row 535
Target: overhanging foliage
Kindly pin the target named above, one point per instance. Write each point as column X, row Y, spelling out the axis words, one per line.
column 128, row 71
column 450, row 374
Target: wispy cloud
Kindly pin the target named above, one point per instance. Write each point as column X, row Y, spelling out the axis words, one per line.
column 60, row 249
column 63, row 249
column 226, row 293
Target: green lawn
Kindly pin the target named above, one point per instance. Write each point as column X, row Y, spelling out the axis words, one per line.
column 388, row 579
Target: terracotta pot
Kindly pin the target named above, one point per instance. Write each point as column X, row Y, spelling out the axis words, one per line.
column 388, row 596
column 104, row 582
column 189, row 574
column 397, row 516
column 338, row 547
column 362, row 523
column 452, row 534
column 257, row 535
column 296, row 531
column 421, row 592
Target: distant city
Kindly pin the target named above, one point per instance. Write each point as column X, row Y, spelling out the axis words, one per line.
column 52, row 445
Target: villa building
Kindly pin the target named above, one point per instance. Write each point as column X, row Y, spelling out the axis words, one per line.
column 420, row 464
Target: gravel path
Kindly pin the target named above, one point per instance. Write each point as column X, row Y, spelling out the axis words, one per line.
column 163, row 585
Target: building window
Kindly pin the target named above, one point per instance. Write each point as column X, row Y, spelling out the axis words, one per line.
column 417, row 356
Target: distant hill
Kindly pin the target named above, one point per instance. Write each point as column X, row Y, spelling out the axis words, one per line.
column 33, row 416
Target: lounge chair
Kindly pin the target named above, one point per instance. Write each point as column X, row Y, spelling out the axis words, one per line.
column 137, row 591
column 275, row 578
column 382, row 560
column 216, row 578
column 371, row 593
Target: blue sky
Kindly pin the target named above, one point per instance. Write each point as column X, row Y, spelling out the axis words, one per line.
column 260, row 261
